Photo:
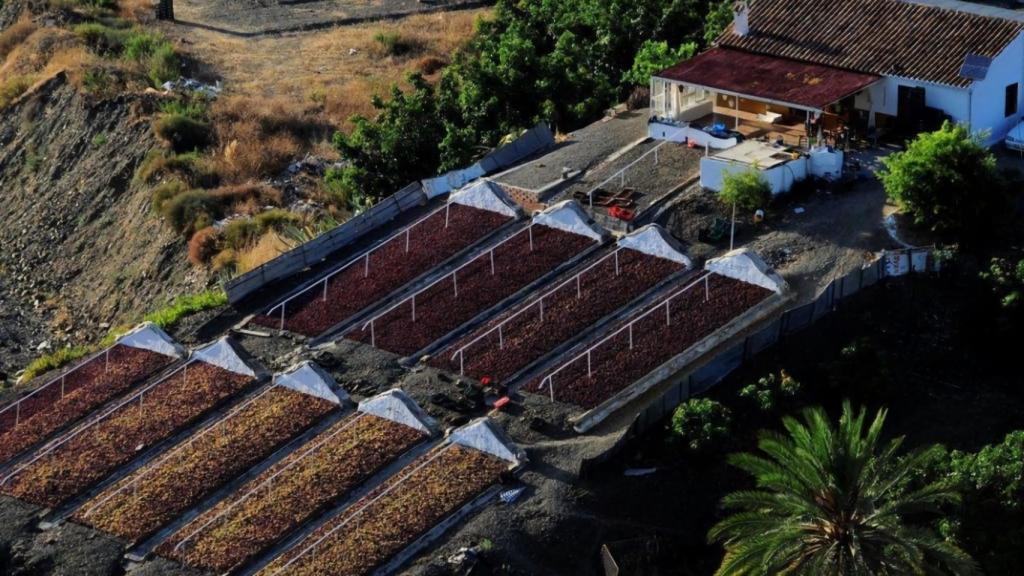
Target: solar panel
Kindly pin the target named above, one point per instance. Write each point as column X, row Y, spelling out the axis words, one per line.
column 975, row 67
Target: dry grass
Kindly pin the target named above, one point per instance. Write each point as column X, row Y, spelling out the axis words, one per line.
column 15, row 35
column 269, row 246
column 336, row 70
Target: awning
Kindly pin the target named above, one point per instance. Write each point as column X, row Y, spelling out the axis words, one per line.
column 768, row 78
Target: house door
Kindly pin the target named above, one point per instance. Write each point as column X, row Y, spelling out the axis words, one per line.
column 910, row 112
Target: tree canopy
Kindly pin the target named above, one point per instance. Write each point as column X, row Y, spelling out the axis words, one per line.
column 655, row 56
column 946, row 180
column 835, row 501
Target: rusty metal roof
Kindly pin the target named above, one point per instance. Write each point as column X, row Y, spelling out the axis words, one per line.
column 769, row 77
column 884, row 37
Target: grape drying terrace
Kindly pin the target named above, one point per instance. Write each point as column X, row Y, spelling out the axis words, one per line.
column 492, row 276
column 140, row 504
column 401, row 259
column 294, row 491
column 73, row 395
column 394, row 515
column 649, row 339
column 517, row 338
column 89, row 454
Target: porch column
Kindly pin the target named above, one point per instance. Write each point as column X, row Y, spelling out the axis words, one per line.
column 737, row 108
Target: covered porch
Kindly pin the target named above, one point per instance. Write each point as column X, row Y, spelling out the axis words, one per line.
column 723, row 96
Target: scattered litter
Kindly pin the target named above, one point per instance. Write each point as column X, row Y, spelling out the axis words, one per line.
column 502, row 402
column 799, row 210
column 635, row 472
column 353, row 51
column 192, row 85
column 44, row 345
column 510, row 496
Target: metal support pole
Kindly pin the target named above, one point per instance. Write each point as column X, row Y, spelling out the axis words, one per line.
column 579, row 289
column 462, row 363
column 531, row 237
column 366, row 266
column 282, row 317
column 447, row 210
column 492, row 261
column 668, row 314
column 62, row 377
column 406, row 240
column 455, row 283
column 501, row 337
column 616, row 263
column 17, row 413
column 732, row 233
column 630, row 336
column 541, row 309
column 325, row 289
column 707, row 289
column 373, row 335
column 106, row 361
column 551, row 387
column 413, row 307
column 589, row 371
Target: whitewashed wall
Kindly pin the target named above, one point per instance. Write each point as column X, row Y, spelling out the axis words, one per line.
column 988, row 96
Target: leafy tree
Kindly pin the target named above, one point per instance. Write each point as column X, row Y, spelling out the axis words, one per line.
column 767, row 391
column 397, row 147
column 654, row 57
column 834, row 501
column 700, row 423
column 718, row 19
column 746, row 189
column 1007, row 281
column 989, row 522
column 946, row 180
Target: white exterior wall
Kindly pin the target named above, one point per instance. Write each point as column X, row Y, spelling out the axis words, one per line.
column 988, row 97
column 981, row 105
column 781, row 178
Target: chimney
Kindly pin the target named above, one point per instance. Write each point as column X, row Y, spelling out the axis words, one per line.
column 741, row 18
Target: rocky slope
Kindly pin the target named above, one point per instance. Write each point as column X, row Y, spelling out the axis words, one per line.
column 79, row 246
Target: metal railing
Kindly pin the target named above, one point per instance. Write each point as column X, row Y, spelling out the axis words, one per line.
column 537, row 303
column 360, row 510
column 315, row 447
column 548, row 381
column 136, row 477
column 364, row 260
column 16, row 405
column 453, row 276
column 621, row 173
column 138, row 396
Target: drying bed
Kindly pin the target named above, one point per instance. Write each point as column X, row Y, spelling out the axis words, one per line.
column 394, row 515
column 313, row 478
column 148, row 499
column 472, row 289
column 89, row 455
column 65, row 401
column 528, row 332
column 391, row 266
column 614, row 365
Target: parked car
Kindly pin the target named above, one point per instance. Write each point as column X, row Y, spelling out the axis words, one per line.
column 1015, row 138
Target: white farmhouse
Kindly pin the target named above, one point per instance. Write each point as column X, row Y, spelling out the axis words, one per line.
column 808, row 72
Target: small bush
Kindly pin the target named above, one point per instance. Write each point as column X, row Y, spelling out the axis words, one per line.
column 246, row 198
column 746, row 189
column 102, row 39
column 183, row 133
column 765, row 393
column 97, row 81
column 99, row 140
column 191, row 167
column 190, row 211
column 241, row 233
column 203, row 245
column 14, row 87
column 166, row 192
column 391, row 43
column 700, row 423
column 277, row 220
column 225, row 261
column 140, row 45
column 15, row 34
column 164, row 65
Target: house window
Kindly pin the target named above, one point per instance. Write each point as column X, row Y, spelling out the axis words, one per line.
column 1011, row 100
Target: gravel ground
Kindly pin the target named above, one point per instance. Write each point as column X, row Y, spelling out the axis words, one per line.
column 253, row 17
column 583, row 149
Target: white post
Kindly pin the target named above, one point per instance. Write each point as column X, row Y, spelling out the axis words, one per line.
column 501, row 337
column 732, row 233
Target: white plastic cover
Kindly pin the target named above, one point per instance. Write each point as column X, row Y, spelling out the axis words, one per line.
column 485, row 436
column 149, row 336
column 222, row 353
column 744, row 265
column 485, row 195
column 568, row 216
column 310, row 379
column 396, row 406
column 655, row 241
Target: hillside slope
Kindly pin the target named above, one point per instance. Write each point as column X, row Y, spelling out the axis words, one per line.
column 79, row 247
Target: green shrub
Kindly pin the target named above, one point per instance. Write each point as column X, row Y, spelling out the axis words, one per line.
column 391, row 43
column 746, row 189
column 191, row 211
column 766, row 392
column 97, row 81
column 277, row 219
column 191, row 167
column 655, row 56
column 164, row 65
column 1007, row 281
column 99, row 140
column 139, row 45
column 700, row 423
column 241, row 233
column 166, row 192
column 182, row 132
column 102, row 39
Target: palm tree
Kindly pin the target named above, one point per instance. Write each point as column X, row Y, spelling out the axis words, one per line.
column 834, row 502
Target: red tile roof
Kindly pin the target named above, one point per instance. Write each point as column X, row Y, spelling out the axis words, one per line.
column 884, row 37
column 770, row 78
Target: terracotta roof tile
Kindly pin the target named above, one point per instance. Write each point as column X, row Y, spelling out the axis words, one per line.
column 884, row 37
